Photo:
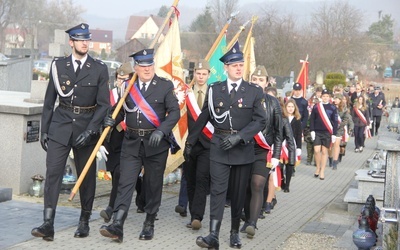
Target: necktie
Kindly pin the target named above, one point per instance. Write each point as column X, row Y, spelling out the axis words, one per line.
column 200, row 99
column 233, row 91
column 78, row 69
column 143, row 89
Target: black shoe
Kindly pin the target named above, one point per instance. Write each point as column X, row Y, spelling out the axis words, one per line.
column 261, row 215
column 46, row 230
column 234, row 240
column 274, row 202
column 148, row 228
column 83, row 228
column 308, row 163
column 139, row 210
column 251, row 230
column 243, row 228
column 189, row 225
column 268, row 208
column 115, row 231
column 181, row 211
column 286, row 190
column 106, row 214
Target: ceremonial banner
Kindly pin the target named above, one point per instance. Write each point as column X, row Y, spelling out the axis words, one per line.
column 168, row 64
column 216, row 66
column 303, row 75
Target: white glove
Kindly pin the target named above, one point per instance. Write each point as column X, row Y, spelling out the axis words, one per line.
column 103, row 151
column 333, row 138
column 298, row 151
column 274, row 163
column 312, row 135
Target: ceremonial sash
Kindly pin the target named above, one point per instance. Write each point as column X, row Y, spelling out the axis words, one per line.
column 284, row 153
column 260, row 140
column 144, row 106
column 324, row 117
column 277, row 177
column 360, row 115
column 114, row 97
column 195, row 111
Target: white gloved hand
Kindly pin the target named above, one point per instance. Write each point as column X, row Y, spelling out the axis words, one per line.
column 333, row 138
column 103, row 151
column 274, row 163
column 298, row 151
column 312, row 135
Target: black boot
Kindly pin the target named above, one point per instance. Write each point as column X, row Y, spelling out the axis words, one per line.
column 211, row 241
column 83, row 228
column 148, row 227
column 330, row 161
column 115, row 231
column 106, row 214
column 234, row 239
column 340, row 157
column 46, row 230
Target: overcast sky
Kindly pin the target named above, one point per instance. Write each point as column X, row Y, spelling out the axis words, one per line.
column 109, row 8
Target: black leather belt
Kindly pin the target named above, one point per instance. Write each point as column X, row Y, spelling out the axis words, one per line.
column 76, row 109
column 140, row 132
column 225, row 132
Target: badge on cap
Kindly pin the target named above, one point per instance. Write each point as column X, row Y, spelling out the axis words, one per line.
column 83, row 26
column 234, row 50
column 144, row 52
column 259, row 72
column 200, row 65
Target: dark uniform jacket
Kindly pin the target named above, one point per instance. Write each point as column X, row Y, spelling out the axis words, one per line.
column 247, row 112
column 374, row 102
column 89, row 89
column 160, row 96
column 273, row 126
column 302, row 104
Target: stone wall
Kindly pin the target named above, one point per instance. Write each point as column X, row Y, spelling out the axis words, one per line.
column 16, row 74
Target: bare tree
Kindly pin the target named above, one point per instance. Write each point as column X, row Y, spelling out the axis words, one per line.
column 221, row 10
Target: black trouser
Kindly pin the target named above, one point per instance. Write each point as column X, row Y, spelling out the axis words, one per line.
column 197, row 173
column 359, row 136
column 57, row 155
column 376, row 124
column 221, row 174
column 154, row 167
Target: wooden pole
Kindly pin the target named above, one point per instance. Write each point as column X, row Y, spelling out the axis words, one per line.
column 303, row 65
column 216, row 42
column 247, row 50
column 117, row 109
column 236, row 36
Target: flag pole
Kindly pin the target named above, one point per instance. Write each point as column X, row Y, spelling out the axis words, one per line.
column 217, row 41
column 117, row 109
column 247, row 51
column 236, row 36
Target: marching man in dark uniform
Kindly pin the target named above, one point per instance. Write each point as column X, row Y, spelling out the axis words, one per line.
column 236, row 109
column 197, row 166
column 81, row 85
column 146, row 143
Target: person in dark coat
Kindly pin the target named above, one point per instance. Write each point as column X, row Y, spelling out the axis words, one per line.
column 146, row 143
column 236, row 109
column 197, row 167
column 80, row 83
column 301, row 103
column 377, row 103
column 111, row 148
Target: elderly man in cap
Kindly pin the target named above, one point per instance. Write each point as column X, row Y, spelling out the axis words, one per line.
column 236, row 109
column 197, row 164
column 80, row 83
column 378, row 102
column 146, row 143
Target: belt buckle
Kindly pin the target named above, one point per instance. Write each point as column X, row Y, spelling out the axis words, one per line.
column 141, row 132
column 77, row 110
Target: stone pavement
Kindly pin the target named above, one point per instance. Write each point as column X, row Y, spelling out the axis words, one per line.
column 312, row 206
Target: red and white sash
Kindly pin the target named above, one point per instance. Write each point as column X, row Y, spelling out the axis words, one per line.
column 144, row 106
column 195, row 111
column 324, row 117
column 114, row 97
column 360, row 115
column 260, row 140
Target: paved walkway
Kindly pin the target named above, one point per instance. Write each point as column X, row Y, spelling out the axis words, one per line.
column 297, row 211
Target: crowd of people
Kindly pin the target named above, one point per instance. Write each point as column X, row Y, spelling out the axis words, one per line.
column 240, row 135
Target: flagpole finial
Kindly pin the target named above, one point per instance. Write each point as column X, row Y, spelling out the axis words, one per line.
column 232, row 16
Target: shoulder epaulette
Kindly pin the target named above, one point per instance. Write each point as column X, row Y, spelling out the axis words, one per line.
column 98, row 61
